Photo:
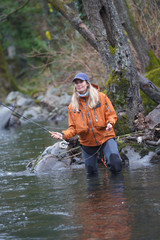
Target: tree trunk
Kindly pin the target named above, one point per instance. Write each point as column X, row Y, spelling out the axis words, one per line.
column 115, row 51
column 140, row 45
column 7, row 82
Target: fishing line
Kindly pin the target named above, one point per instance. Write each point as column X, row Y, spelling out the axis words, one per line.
column 19, row 115
column 46, row 130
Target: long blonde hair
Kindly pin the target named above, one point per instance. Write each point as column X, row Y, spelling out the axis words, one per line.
column 93, row 98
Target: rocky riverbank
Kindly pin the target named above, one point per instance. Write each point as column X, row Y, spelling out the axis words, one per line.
column 52, row 106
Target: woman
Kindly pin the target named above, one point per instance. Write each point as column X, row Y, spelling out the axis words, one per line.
column 92, row 117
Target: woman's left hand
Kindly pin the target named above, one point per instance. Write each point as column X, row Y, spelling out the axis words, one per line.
column 109, row 127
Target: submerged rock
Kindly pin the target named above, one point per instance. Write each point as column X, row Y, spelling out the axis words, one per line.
column 135, row 158
column 59, row 156
column 5, row 115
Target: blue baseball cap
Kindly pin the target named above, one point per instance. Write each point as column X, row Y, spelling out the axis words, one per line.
column 81, row 76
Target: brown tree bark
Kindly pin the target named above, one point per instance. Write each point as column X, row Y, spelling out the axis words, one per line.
column 115, row 51
column 139, row 43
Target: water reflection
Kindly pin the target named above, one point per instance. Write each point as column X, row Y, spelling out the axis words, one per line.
column 104, row 213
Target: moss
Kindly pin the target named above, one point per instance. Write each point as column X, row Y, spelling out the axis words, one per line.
column 117, row 86
column 153, row 76
column 154, row 62
column 37, row 101
column 148, row 104
column 144, row 152
column 121, row 145
column 112, row 49
column 121, row 127
column 139, row 148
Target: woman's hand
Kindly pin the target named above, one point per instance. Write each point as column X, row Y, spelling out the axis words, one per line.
column 56, row 135
column 109, row 127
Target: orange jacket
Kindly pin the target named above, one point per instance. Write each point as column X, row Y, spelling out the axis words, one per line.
column 90, row 124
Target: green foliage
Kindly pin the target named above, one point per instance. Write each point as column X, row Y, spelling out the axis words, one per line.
column 80, row 8
column 154, row 62
column 19, row 30
column 112, row 49
column 153, row 76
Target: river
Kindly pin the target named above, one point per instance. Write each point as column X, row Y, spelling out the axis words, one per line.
column 68, row 205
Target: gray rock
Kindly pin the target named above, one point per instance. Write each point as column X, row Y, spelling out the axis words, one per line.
column 56, row 157
column 135, row 159
column 54, row 97
column 5, row 115
column 153, row 118
column 35, row 113
column 19, row 99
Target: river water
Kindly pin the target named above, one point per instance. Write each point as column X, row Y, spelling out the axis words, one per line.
column 68, row 205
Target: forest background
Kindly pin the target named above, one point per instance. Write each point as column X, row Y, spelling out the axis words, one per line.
column 39, row 47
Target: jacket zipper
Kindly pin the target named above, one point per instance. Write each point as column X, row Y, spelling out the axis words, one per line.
column 82, row 114
column 83, row 119
column 95, row 114
column 108, row 107
column 90, row 122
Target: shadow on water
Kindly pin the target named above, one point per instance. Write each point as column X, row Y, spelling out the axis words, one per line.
column 68, row 205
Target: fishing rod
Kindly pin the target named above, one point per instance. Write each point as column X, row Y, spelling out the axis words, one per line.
column 46, row 130
column 19, row 115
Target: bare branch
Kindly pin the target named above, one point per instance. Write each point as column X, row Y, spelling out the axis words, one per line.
column 75, row 21
column 4, row 18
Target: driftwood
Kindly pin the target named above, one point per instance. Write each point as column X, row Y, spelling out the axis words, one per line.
column 147, row 128
column 153, row 143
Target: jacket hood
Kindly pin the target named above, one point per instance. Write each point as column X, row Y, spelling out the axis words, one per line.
column 95, row 86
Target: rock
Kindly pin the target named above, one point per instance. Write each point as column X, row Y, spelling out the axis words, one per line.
column 55, row 98
column 155, row 159
column 56, row 157
column 153, row 118
column 35, row 113
column 25, row 107
column 135, row 159
column 19, row 99
column 5, row 115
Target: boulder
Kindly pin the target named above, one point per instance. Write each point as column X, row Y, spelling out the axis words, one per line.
column 19, row 99
column 135, row 159
column 5, row 115
column 153, row 118
column 60, row 156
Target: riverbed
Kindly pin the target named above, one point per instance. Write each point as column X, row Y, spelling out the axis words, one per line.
column 68, row 205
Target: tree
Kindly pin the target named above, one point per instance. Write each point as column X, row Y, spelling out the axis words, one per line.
column 115, row 51
column 7, row 81
column 108, row 38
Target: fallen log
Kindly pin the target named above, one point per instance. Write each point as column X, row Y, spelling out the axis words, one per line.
column 149, row 88
column 153, row 143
